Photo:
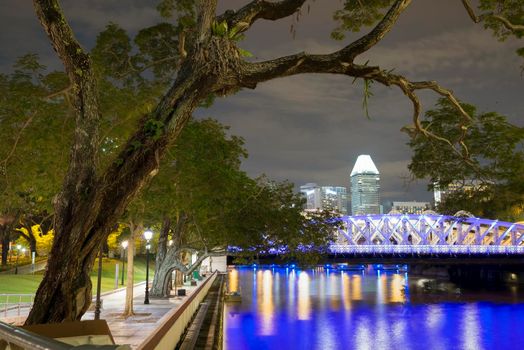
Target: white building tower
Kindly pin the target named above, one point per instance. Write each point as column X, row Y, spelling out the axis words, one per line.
column 365, row 186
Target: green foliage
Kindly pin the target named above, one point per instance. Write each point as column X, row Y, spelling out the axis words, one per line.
column 177, row 8
column 219, row 29
column 154, row 129
column 512, row 10
column 112, row 51
column 495, row 148
column 158, row 43
column 34, row 135
column 234, row 34
column 357, row 14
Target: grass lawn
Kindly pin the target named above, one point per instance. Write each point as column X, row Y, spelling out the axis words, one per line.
column 28, row 284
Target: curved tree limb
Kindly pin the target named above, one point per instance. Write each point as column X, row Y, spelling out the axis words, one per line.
column 477, row 19
column 374, row 36
column 510, row 26
column 260, row 9
column 81, row 172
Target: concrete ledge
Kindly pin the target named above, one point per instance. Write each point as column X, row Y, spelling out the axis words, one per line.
column 173, row 324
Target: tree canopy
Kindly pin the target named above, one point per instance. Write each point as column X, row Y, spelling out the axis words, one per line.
column 130, row 98
column 490, row 183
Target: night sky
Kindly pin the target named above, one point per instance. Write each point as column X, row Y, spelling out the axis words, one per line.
column 311, row 128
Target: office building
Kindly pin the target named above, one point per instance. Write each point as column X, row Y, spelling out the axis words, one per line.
column 332, row 198
column 411, row 207
column 365, row 187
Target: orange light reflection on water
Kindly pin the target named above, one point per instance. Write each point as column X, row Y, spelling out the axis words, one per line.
column 304, row 302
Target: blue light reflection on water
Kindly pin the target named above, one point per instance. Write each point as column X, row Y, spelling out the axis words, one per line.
column 315, row 309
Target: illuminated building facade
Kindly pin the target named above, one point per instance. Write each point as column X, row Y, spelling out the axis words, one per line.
column 365, row 187
column 411, row 207
column 332, row 198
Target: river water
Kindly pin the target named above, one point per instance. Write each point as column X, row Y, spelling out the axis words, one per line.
column 285, row 308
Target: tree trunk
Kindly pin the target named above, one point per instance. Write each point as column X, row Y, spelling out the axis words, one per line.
column 135, row 231
column 159, row 287
column 89, row 203
column 30, row 238
column 4, row 235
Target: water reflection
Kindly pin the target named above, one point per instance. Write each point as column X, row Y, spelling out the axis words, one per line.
column 357, row 287
column 304, row 302
column 396, row 291
column 233, row 280
column 314, row 309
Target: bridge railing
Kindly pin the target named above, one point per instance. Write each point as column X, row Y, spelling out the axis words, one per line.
column 424, row 249
column 427, row 234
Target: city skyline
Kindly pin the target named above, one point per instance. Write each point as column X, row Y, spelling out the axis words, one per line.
column 311, row 127
column 315, row 194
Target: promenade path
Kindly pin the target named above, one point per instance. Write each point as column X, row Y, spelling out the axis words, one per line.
column 134, row 329
column 27, row 268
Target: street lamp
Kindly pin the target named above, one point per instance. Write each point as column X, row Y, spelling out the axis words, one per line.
column 147, row 235
column 18, row 247
column 124, row 247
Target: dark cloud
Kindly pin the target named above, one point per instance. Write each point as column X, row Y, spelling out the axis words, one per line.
column 311, row 128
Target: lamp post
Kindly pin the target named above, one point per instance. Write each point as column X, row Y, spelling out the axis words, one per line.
column 147, row 235
column 18, row 247
column 98, row 302
column 124, row 247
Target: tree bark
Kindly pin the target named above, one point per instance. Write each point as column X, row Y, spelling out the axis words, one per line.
column 4, row 235
column 6, row 229
column 89, row 205
column 135, row 231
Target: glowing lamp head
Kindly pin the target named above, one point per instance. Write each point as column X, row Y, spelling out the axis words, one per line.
column 18, row 247
column 148, row 235
column 23, row 250
column 125, row 244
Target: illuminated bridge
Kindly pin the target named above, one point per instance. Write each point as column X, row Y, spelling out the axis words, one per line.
column 427, row 234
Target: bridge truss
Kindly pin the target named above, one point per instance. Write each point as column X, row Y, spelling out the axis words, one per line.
column 427, row 234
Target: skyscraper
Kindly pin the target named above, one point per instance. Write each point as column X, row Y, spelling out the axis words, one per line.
column 311, row 192
column 332, row 198
column 365, row 186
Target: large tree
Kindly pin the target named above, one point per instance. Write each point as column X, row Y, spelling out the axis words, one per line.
column 203, row 61
column 491, row 182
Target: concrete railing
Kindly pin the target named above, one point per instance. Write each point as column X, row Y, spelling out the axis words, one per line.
column 174, row 323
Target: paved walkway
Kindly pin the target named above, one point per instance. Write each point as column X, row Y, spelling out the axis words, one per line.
column 27, row 268
column 132, row 330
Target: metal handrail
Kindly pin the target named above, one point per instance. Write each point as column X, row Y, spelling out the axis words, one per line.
column 29, row 340
column 6, row 306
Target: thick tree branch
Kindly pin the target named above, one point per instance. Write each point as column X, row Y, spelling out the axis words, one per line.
column 62, row 38
column 206, row 15
column 341, row 62
column 379, row 31
column 260, row 9
column 81, row 173
column 338, row 62
column 471, row 12
column 304, row 63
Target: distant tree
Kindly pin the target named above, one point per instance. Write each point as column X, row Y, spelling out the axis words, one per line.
column 197, row 57
column 491, row 182
column 199, row 182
